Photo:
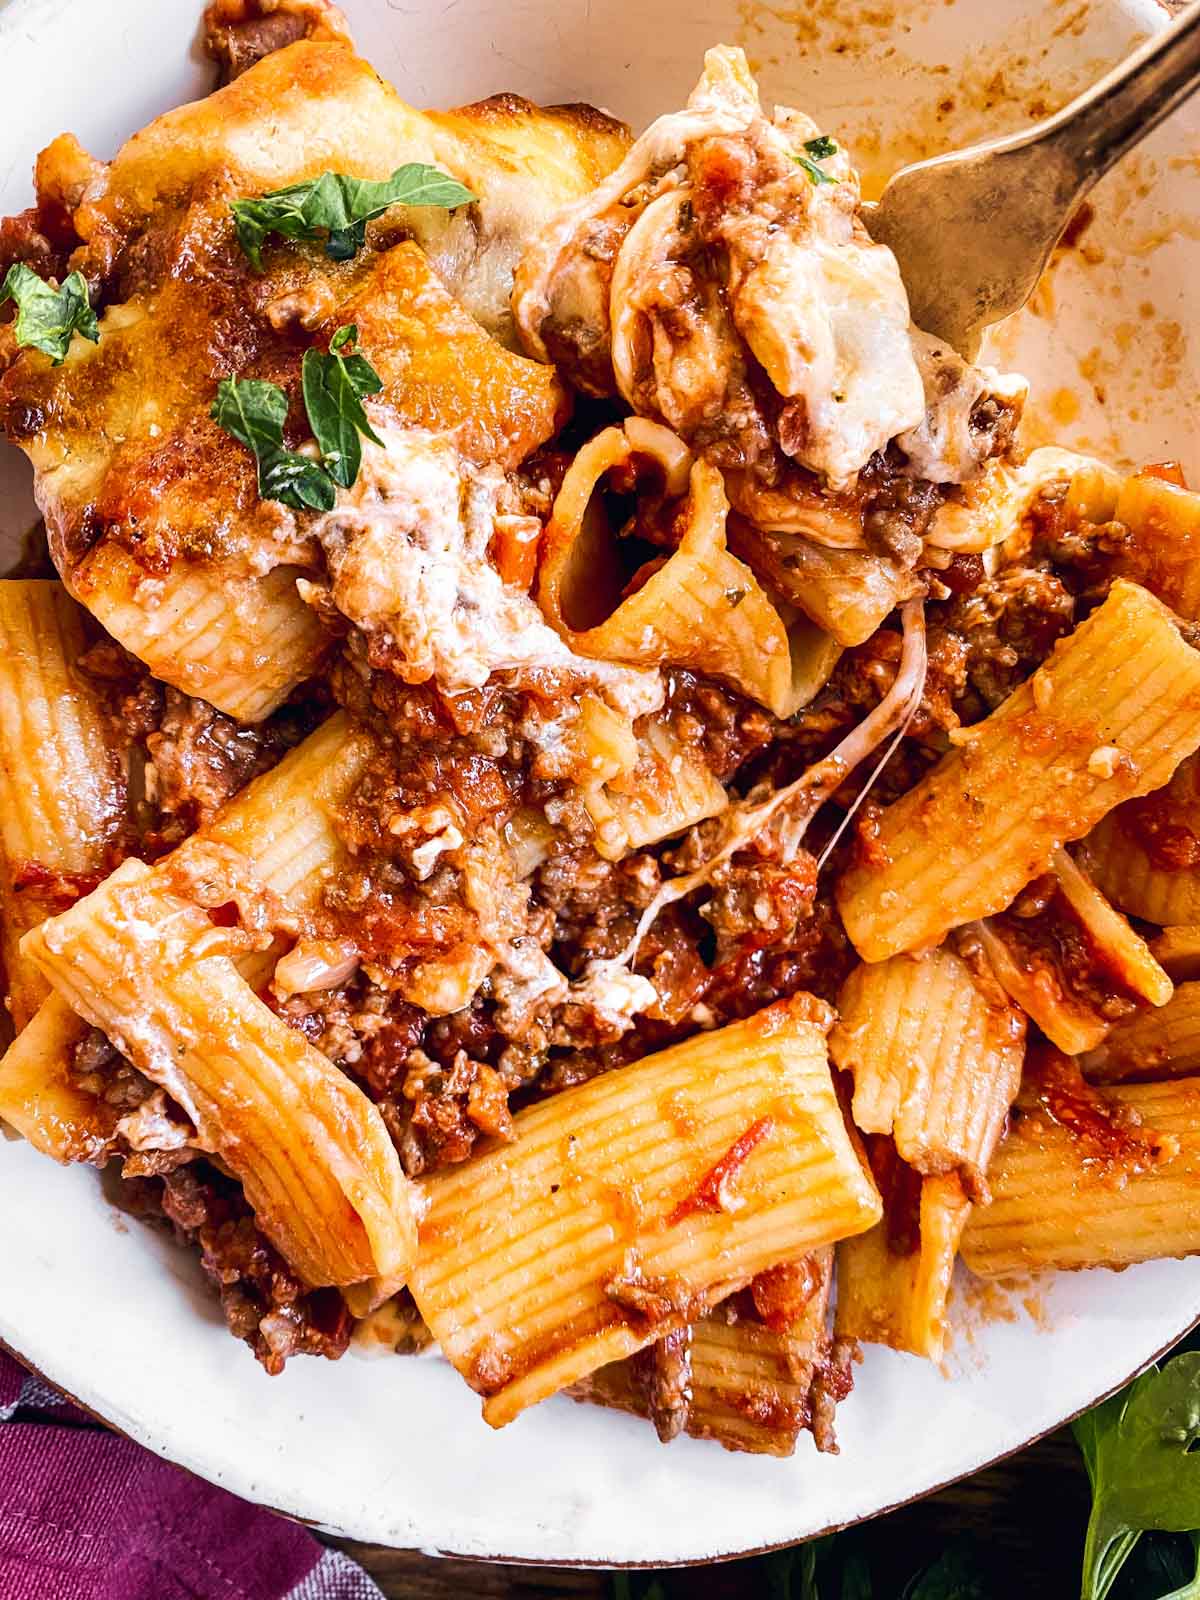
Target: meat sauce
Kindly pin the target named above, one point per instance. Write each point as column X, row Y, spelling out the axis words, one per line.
column 1111, row 1134
column 1043, row 934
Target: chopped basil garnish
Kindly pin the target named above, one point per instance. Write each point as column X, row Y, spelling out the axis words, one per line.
column 337, row 208
column 334, row 386
column 253, row 412
column 47, row 318
column 817, row 149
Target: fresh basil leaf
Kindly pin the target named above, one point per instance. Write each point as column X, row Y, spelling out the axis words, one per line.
column 253, row 412
column 296, row 481
column 337, row 208
column 820, row 147
column 47, row 318
column 815, row 174
column 334, row 386
column 1138, row 1451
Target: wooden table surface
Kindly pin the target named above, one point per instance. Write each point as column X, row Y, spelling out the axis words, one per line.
column 1030, row 1511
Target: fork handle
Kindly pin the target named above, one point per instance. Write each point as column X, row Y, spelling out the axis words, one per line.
column 1097, row 129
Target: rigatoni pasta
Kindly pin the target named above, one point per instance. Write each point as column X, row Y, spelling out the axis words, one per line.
column 894, row 1280
column 1155, row 1044
column 1035, row 949
column 730, row 1376
column 1162, row 548
column 63, row 786
column 39, row 1095
column 1117, row 1187
column 1145, row 855
column 702, row 607
column 242, row 642
column 1109, row 715
column 281, row 827
column 311, row 1151
column 1177, row 950
column 534, row 1268
column 555, row 623
column 935, row 1055
column 669, row 789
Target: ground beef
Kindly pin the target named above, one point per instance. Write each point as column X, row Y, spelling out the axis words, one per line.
column 1007, row 626
column 264, row 1302
column 202, row 758
column 833, row 1381
column 662, row 1375
column 1162, row 827
column 1042, row 933
column 239, row 33
column 781, row 1294
column 447, row 1110
column 896, row 509
column 725, row 727
column 99, row 1069
column 758, row 903
column 194, row 758
column 26, row 238
column 1081, row 554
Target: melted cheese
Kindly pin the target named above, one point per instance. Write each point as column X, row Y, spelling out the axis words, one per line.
column 614, row 994
column 823, row 307
column 826, row 314
column 820, row 305
column 152, row 1127
column 407, row 549
column 943, row 447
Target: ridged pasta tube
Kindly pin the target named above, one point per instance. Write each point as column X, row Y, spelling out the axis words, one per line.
column 626, row 1206
column 1109, row 715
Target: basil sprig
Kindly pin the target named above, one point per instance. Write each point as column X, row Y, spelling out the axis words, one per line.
column 337, row 208
column 818, row 149
column 253, row 412
column 334, row 386
column 1140, row 1452
column 47, row 318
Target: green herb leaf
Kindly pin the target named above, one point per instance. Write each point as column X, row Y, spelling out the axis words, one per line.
column 334, row 386
column 817, row 150
column 47, row 318
column 337, row 208
column 1136, row 1449
column 815, row 174
column 253, row 412
column 296, row 481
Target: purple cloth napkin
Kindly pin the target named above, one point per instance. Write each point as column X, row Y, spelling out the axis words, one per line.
column 88, row 1515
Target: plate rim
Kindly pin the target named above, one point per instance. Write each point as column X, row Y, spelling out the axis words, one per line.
column 617, row 1564
column 154, row 1436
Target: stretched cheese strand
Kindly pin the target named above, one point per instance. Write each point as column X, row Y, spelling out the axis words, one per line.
column 744, row 823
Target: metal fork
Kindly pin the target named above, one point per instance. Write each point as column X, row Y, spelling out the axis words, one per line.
column 973, row 230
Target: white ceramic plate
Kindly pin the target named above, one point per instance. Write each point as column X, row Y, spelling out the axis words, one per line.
column 394, row 1450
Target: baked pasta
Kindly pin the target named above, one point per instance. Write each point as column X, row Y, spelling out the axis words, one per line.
column 568, row 790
